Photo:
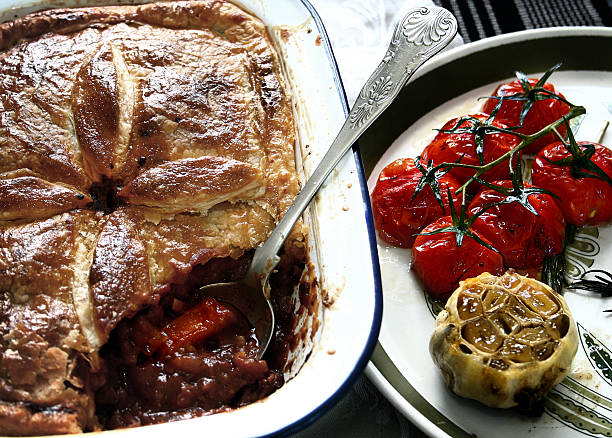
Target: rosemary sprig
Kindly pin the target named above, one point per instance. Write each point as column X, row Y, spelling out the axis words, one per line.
column 601, row 284
column 553, row 272
column 553, row 268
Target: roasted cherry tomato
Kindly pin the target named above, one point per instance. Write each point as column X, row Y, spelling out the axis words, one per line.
column 582, row 199
column 397, row 217
column 461, row 147
column 523, row 238
column 441, row 264
column 542, row 113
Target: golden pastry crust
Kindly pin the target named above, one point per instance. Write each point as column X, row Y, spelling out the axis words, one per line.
column 41, row 339
column 176, row 245
column 175, row 118
column 194, row 184
column 28, row 197
column 119, row 275
column 140, row 96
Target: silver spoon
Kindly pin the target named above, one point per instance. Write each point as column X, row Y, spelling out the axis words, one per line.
column 419, row 35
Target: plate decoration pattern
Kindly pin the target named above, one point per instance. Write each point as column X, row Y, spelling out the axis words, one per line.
column 580, row 254
column 598, row 354
column 579, row 408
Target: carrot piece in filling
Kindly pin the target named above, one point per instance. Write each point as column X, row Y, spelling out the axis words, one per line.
column 196, row 325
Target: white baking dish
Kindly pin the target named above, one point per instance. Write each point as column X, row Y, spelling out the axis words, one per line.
column 344, row 246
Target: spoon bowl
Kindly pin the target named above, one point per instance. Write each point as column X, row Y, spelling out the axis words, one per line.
column 252, row 300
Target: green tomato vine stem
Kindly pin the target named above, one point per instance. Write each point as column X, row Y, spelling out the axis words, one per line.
column 574, row 111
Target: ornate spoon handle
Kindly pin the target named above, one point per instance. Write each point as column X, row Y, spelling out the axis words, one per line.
column 419, row 35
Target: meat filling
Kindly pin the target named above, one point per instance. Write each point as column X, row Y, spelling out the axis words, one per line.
column 190, row 355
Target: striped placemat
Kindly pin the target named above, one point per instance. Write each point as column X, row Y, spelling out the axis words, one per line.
column 485, row 18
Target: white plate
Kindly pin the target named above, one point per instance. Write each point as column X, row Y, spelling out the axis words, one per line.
column 401, row 366
column 345, row 249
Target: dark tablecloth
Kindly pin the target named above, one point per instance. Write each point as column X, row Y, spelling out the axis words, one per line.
column 479, row 19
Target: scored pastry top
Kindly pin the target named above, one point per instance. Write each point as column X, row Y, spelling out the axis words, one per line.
column 136, row 142
column 114, row 92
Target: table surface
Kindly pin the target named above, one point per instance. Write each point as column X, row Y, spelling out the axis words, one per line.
column 359, row 32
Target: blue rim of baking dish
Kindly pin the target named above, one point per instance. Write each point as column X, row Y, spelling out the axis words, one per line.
column 372, row 339
column 360, row 365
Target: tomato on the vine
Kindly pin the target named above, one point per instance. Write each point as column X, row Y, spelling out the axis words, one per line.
column 541, row 114
column 460, row 147
column 397, row 216
column 584, row 196
column 441, row 264
column 523, row 238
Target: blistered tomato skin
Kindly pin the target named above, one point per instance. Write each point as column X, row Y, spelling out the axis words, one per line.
column 441, row 264
column 397, row 217
column 523, row 238
column 583, row 201
column 461, row 147
column 542, row 113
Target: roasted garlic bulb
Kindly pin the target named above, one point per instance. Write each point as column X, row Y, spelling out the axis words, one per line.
column 504, row 341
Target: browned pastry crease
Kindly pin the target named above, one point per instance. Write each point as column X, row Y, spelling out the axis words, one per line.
column 173, row 122
column 96, row 113
column 119, row 276
column 31, row 197
column 193, row 184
